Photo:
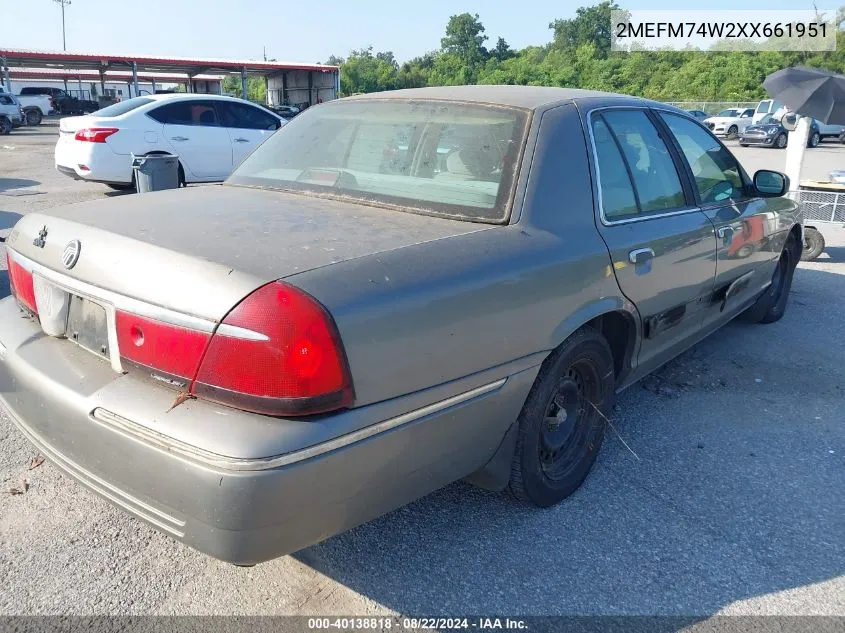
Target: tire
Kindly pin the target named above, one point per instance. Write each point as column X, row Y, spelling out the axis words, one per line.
column 5, row 126
column 33, row 117
column 813, row 244
column 743, row 144
column 559, row 431
column 780, row 141
column 733, row 131
column 771, row 305
column 814, row 140
column 121, row 186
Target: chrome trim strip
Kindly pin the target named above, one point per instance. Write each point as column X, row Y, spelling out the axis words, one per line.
column 234, row 331
column 113, row 301
column 169, row 445
column 651, row 216
column 131, row 504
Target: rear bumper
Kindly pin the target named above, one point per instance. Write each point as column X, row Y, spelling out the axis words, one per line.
column 102, row 163
column 242, row 509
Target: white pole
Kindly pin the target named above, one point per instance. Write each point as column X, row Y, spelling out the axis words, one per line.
column 795, row 149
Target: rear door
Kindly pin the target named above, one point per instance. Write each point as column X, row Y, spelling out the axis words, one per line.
column 193, row 130
column 247, row 126
column 662, row 246
column 744, row 225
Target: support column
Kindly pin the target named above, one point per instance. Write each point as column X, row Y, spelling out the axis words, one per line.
column 135, row 79
column 102, row 83
column 284, row 88
column 79, row 83
column 795, row 148
column 244, row 93
column 154, row 85
column 6, row 79
column 310, row 88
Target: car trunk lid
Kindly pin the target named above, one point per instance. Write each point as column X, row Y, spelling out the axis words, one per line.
column 199, row 251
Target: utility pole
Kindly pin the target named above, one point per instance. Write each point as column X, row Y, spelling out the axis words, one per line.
column 63, row 3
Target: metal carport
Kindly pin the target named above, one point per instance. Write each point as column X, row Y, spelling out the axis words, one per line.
column 327, row 77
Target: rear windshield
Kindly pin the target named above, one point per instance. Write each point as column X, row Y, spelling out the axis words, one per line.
column 123, row 107
column 449, row 159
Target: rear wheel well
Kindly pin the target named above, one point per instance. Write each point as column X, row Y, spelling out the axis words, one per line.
column 620, row 332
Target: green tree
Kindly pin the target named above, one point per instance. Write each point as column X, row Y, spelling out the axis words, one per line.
column 464, row 41
column 591, row 25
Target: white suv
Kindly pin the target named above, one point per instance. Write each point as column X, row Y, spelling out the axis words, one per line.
column 730, row 122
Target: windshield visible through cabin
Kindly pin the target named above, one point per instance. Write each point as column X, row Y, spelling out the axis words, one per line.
column 445, row 158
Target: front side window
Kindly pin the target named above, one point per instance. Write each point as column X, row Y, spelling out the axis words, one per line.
column 240, row 115
column 649, row 162
column 445, row 158
column 715, row 171
column 4, row 100
column 730, row 113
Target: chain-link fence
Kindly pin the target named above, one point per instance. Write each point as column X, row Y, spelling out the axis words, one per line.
column 712, row 107
column 821, row 206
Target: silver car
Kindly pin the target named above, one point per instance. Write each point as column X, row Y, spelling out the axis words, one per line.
column 394, row 292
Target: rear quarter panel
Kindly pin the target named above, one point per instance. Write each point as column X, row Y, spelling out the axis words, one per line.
column 431, row 313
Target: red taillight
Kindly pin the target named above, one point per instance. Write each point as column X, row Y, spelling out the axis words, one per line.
column 166, row 348
column 95, row 134
column 21, row 283
column 278, row 352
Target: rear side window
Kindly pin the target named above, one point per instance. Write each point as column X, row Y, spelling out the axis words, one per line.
column 649, row 164
column 123, row 107
column 4, row 100
column 715, row 171
column 617, row 193
column 240, row 115
column 186, row 113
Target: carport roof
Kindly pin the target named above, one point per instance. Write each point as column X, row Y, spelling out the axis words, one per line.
column 150, row 64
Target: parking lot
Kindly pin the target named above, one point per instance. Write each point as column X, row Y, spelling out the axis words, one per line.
column 730, row 499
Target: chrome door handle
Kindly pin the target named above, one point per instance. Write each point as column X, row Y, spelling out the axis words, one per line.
column 640, row 256
column 241, row 140
column 179, row 138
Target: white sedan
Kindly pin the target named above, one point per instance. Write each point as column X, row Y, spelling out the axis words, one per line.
column 730, row 122
column 211, row 134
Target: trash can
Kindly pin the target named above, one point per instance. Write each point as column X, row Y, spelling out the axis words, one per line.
column 156, row 172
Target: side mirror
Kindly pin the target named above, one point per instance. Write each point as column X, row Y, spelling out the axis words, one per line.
column 789, row 121
column 770, row 184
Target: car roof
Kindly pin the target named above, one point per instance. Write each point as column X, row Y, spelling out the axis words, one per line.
column 529, row 97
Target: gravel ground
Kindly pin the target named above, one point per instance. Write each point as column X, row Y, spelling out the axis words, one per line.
column 733, row 503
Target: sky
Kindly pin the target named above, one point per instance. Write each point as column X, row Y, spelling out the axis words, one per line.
column 303, row 31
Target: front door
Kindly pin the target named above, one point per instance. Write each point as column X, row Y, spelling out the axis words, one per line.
column 744, row 225
column 193, row 131
column 247, row 126
column 662, row 246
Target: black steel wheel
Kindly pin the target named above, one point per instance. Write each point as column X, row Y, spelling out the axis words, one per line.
column 771, row 305
column 563, row 421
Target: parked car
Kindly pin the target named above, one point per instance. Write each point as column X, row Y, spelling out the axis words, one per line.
column 766, row 107
column 769, row 132
column 285, row 111
column 698, row 114
column 11, row 114
column 731, row 122
column 330, row 335
column 63, row 103
column 210, row 134
column 34, row 107
column 827, row 130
